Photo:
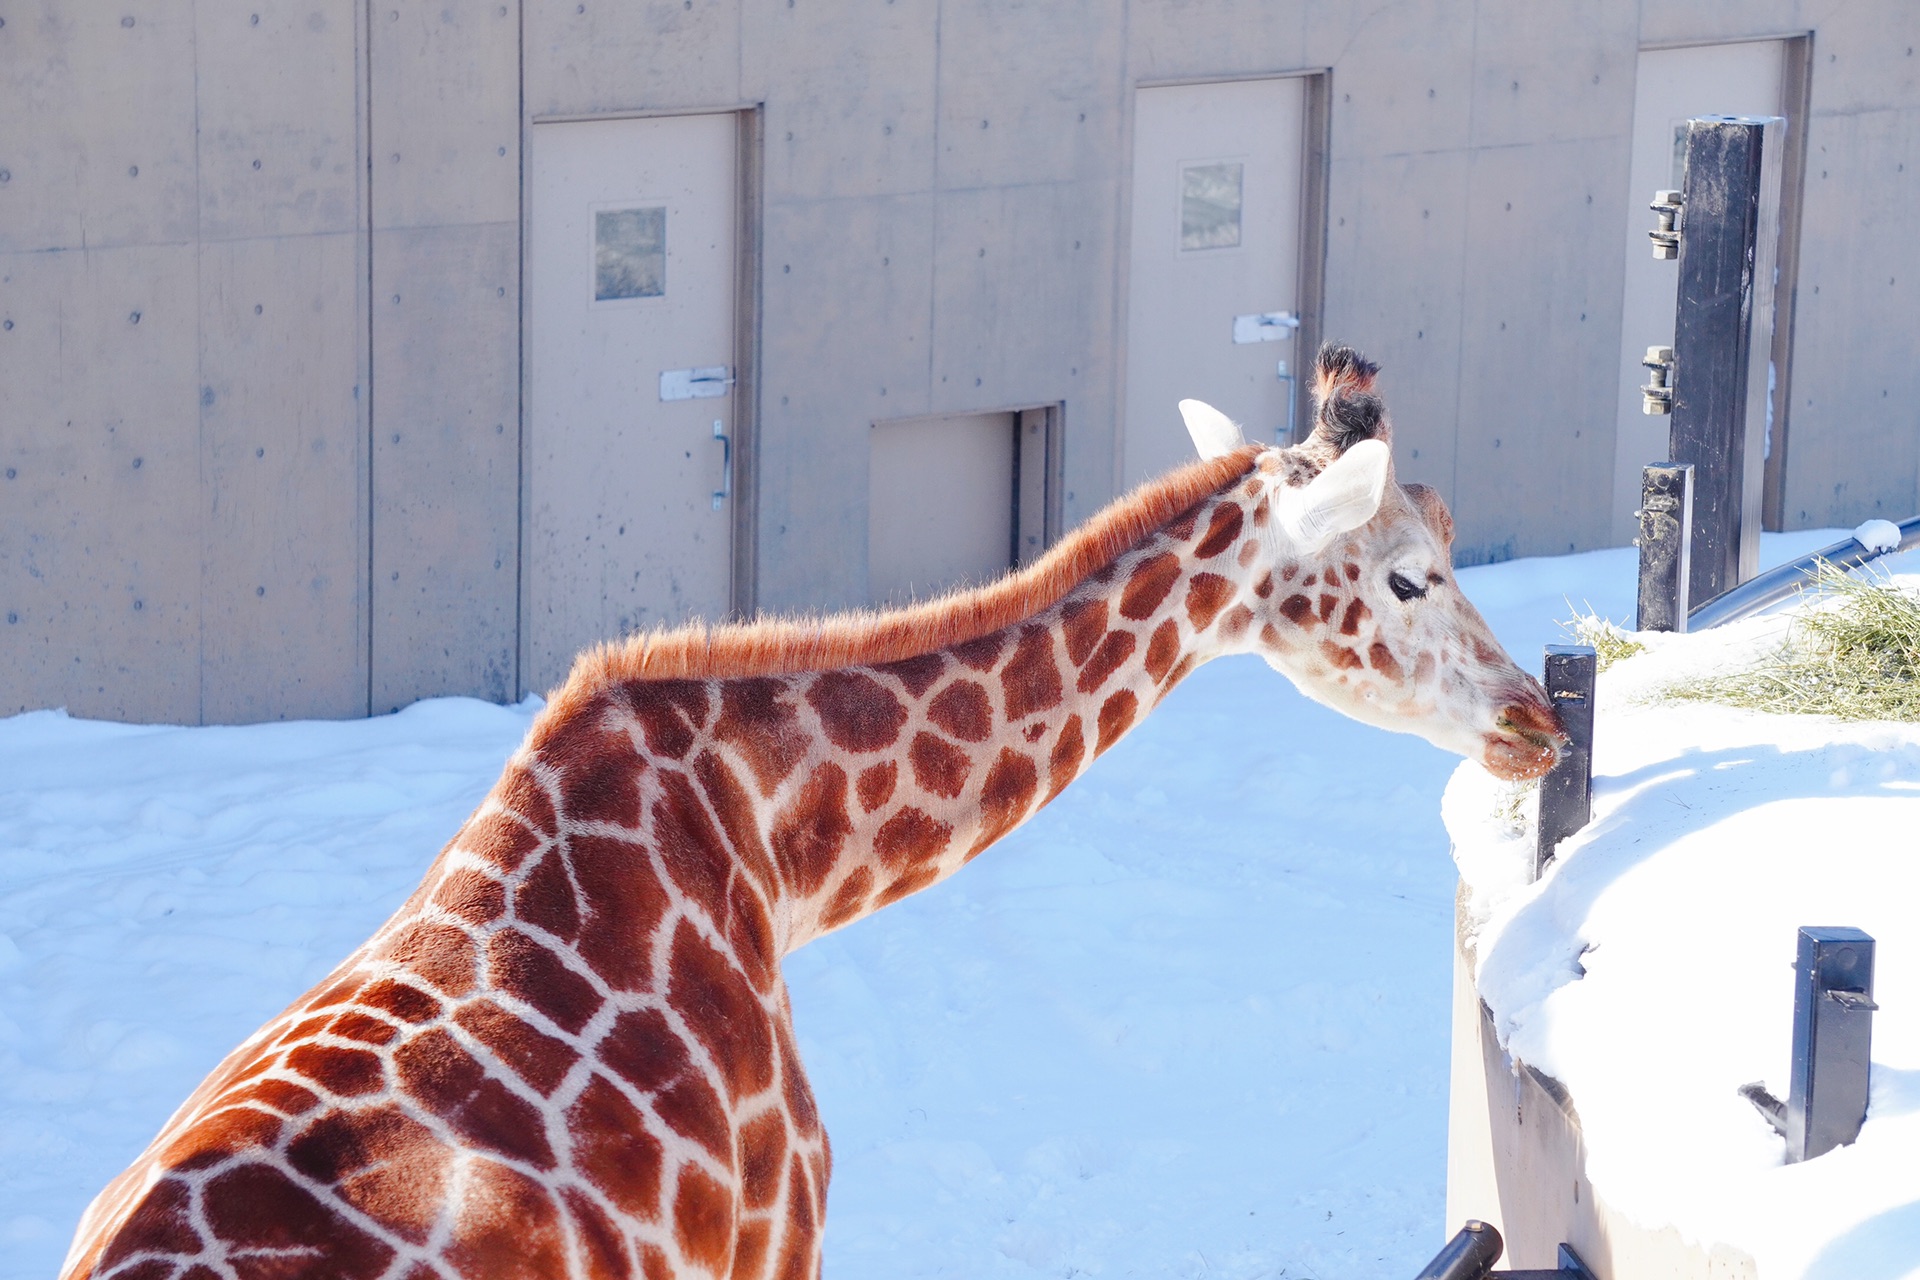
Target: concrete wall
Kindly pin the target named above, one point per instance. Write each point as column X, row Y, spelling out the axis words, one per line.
column 1516, row 1158
column 183, row 369
column 323, row 392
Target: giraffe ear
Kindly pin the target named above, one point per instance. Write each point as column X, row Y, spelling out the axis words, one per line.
column 1213, row 432
column 1342, row 497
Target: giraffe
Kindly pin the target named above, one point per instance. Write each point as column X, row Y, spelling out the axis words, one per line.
column 570, row 1052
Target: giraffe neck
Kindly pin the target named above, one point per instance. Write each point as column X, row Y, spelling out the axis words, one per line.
column 953, row 749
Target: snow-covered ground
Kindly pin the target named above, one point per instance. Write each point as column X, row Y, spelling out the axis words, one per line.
column 1651, row 969
column 1190, row 1021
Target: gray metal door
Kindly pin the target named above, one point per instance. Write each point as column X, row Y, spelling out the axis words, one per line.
column 1214, row 280
column 631, row 262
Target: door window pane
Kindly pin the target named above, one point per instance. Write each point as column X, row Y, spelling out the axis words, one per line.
column 1210, row 205
column 629, row 253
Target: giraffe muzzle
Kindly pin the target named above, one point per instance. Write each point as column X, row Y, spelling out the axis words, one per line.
column 1528, row 741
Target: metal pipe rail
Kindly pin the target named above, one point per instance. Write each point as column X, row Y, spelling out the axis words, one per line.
column 1474, row 1249
column 1780, row 583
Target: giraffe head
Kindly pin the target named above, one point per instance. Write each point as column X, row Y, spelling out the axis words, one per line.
column 1349, row 577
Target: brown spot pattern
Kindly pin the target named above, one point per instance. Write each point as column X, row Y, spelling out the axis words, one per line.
column 1357, row 613
column 1383, row 660
column 1207, row 594
column 534, row 1056
column 808, row 836
column 722, row 1010
column 875, row 785
column 1030, row 682
column 1116, row 717
column 758, row 721
column 1222, row 529
column 857, row 712
column 1114, row 650
column 1340, row 656
column 912, row 882
column 848, row 899
column 1063, row 762
column 1162, row 649
column 627, row 900
column 1082, row 623
column 980, row 654
column 1298, row 610
column 917, row 674
column 939, row 766
column 613, row 1149
column 963, row 710
column 1005, row 796
column 439, row 1073
column 1148, row 586
column 910, row 835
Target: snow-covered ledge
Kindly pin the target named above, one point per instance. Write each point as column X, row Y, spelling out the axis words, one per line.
column 1605, row 1017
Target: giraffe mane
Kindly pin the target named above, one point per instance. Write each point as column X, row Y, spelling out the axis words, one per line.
column 780, row 645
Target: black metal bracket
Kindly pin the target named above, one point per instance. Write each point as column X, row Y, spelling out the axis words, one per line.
column 1833, row 1012
column 1474, row 1249
column 1566, row 793
column 1666, row 546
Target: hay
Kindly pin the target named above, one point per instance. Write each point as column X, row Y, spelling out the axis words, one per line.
column 1610, row 643
column 1852, row 653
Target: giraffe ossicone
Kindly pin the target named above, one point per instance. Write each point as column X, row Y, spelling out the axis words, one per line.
column 570, row 1053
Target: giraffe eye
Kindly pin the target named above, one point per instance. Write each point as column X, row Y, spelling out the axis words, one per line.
column 1404, row 587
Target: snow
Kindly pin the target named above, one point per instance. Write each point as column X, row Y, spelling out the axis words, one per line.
column 1878, row 535
column 1190, row 1021
column 1650, row 971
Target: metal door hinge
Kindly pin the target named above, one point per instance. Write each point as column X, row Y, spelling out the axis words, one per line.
column 695, row 384
column 1657, row 396
column 1666, row 231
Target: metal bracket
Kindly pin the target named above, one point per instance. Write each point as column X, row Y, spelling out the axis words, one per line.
column 695, row 384
column 1665, row 235
column 1474, row 1249
column 1265, row 326
column 1665, row 543
column 1657, row 396
column 725, row 490
column 1833, row 1012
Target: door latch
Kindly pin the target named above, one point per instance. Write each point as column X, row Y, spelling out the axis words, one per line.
column 1265, row 326
column 695, row 384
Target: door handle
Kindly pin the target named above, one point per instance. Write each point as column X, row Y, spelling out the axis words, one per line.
column 1265, row 326
column 725, row 490
column 695, row 384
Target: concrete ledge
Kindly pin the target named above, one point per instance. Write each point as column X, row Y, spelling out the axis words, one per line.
column 1516, row 1158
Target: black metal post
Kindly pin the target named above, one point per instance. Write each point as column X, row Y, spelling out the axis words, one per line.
column 1666, row 544
column 1723, row 325
column 1832, row 1037
column 1566, row 793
